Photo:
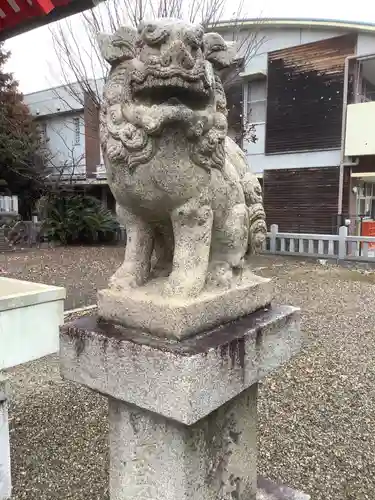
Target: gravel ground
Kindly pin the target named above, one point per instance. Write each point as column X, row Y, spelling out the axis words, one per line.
column 317, row 414
column 81, row 270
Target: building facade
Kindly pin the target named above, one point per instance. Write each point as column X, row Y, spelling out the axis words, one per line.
column 69, row 123
column 309, row 91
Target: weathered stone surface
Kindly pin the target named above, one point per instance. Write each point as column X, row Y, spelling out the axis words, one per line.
column 185, row 380
column 183, row 316
column 5, row 477
column 191, row 208
column 267, row 490
column 154, row 458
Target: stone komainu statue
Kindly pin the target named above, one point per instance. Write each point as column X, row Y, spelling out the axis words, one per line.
column 191, row 208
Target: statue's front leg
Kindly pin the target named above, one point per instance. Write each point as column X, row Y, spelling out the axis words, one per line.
column 139, row 242
column 192, row 226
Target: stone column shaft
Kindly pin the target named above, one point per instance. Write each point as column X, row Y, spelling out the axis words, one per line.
column 156, row 458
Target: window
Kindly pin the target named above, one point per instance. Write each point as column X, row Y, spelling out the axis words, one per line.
column 256, row 101
column 77, row 130
column 43, row 132
column 365, row 199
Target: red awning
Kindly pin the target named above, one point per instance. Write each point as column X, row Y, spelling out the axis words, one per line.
column 19, row 16
column 16, row 12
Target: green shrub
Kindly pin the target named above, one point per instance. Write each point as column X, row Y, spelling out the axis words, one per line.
column 73, row 219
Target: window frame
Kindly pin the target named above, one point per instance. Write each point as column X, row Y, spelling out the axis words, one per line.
column 249, row 101
column 77, row 130
column 43, row 132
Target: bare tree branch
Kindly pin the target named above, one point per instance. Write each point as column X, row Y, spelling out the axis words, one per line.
column 77, row 53
column 80, row 62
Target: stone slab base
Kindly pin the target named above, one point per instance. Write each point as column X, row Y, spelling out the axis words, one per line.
column 267, row 490
column 181, row 380
column 180, row 317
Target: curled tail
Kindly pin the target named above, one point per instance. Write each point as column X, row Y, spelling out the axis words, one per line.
column 253, row 197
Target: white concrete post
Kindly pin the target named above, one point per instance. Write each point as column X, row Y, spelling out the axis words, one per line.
column 15, row 204
column 274, row 231
column 7, row 203
column 343, row 233
column 5, row 479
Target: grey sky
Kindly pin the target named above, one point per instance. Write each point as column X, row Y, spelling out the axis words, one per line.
column 33, row 63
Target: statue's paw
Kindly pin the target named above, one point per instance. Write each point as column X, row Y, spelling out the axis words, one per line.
column 220, row 275
column 181, row 286
column 123, row 282
column 126, row 278
column 167, row 289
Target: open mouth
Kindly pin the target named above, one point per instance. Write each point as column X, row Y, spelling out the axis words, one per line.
column 172, row 91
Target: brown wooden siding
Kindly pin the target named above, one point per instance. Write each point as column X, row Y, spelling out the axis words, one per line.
column 305, row 199
column 304, row 96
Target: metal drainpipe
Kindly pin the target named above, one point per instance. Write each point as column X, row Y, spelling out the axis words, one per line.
column 344, row 164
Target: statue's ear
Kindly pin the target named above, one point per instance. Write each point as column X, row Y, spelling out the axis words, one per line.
column 220, row 53
column 118, row 47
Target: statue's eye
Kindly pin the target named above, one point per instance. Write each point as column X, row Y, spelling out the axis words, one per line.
column 194, row 40
column 196, row 45
column 217, row 48
column 154, row 35
column 149, row 29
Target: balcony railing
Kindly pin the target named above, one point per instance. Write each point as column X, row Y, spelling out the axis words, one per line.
column 67, row 172
column 101, row 172
column 9, row 204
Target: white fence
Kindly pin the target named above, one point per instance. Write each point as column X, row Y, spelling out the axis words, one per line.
column 322, row 246
column 9, row 204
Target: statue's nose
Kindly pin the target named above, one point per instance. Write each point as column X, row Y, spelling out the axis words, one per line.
column 178, row 55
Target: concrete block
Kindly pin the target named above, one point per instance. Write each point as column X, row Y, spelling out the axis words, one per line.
column 181, row 380
column 30, row 317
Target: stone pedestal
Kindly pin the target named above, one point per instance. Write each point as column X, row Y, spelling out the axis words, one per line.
column 5, row 478
column 183, row 414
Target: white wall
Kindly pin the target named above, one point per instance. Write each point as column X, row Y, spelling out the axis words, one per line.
column 54, row 100
column 261, row 162
column 365, row 44
column 359, row 138
column 66, row 148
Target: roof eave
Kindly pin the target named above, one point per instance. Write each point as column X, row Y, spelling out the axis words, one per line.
column 59, row 12
column 295, row 23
